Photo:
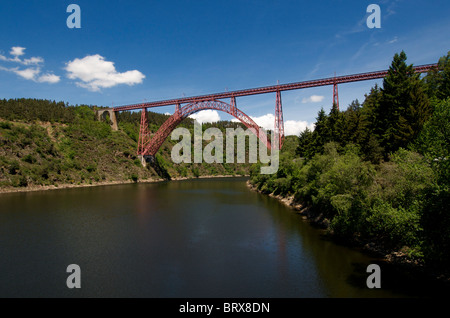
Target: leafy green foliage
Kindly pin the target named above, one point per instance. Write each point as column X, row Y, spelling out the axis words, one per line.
column 438, row 79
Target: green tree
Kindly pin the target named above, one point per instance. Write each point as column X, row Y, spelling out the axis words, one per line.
column 305, row 143
column 322, row 133
column 371, row 109
column 404, row 107
column 438, row 79
column 337, row 125
column 354, row 124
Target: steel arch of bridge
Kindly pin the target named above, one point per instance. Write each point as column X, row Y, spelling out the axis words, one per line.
column 149, row 146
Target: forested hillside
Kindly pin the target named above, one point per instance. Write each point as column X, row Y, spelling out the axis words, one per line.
column 48, row 143
column 378, row 172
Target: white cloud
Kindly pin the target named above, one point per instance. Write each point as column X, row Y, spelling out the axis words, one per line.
column 266, row 121
column 291, row 127
column 206, row 116
column 30, row 73
column 94, row 73
column 33, row 60
column 17, row 51
column 313, row 99
column 8, row 59
column 394, row 40
column 49, row 78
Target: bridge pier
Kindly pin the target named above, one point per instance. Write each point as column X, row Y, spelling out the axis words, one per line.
column 112, row 117
column 279, row 123
column 335, row 95
column 146, row 159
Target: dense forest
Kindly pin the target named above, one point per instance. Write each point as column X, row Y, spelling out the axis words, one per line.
column 378, row 173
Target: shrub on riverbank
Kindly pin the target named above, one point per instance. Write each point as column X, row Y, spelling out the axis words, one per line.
column 384, row 203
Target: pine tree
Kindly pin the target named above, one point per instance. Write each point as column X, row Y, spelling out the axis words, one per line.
column 369, row 112
column 355, row 125
column 322, row 132
column 403, row 106
column 419, row 111
column 335, row 125
column 304, row 148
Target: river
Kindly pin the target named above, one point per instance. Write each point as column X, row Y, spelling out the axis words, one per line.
column 192, row 238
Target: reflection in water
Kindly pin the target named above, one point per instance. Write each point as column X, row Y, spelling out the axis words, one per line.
column 197, row 238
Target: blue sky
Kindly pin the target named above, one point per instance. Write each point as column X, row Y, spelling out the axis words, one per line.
column 132, row 51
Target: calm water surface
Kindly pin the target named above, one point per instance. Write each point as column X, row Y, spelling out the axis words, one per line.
column 196, row 238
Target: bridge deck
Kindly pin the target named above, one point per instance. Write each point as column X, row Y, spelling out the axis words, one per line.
column 270, row 89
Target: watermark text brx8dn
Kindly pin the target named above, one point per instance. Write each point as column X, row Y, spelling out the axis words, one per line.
column 213, row 151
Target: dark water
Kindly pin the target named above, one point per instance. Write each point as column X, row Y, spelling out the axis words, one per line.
column 201, row 238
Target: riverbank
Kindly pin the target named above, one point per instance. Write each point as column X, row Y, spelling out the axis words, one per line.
column 306, row 213
column 34, row 188
column 398, row 261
